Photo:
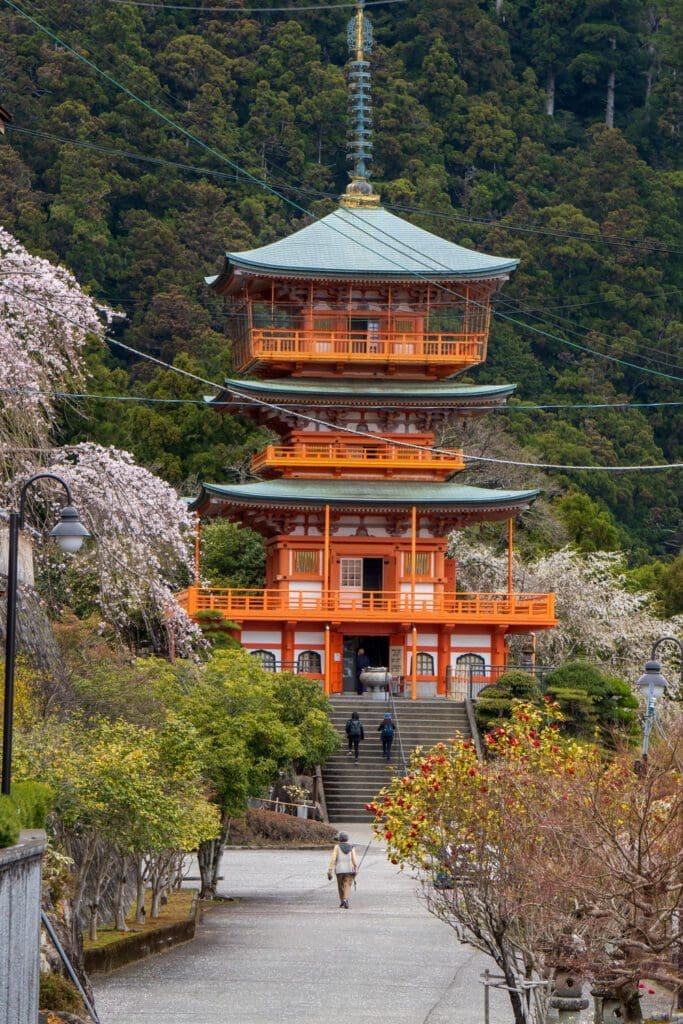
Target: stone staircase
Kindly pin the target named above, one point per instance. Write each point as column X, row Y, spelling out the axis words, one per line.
column 350, row 785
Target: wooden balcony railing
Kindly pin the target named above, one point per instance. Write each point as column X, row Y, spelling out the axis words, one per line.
column 386, row 606
column 282, row 344
column 368, row 457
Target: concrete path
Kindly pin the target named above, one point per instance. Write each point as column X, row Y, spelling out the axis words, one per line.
column 285, row 953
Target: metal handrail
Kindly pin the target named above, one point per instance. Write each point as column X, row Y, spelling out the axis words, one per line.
column 395, row 720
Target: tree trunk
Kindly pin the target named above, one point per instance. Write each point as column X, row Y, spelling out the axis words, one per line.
column 209, row 859
column 609, row 109
column 120, row 910
column 140, row 891
column 519, row 1008
column 629, row 1004
column 92, row 928
column 550, row 93
column 611, row 82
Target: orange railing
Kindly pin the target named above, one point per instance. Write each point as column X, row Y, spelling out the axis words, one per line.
column 368, row 456
column 287, row 344
column 395, row 606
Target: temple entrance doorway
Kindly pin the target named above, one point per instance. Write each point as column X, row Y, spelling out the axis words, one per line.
column 377, row 650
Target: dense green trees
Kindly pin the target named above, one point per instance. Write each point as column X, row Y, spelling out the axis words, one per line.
column 463, row 135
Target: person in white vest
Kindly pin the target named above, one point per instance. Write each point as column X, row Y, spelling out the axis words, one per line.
column 343, row 864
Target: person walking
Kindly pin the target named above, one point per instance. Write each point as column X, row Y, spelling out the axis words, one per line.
column 354, row 733
column 344, row 865
column 386, row 730
column 362, row 662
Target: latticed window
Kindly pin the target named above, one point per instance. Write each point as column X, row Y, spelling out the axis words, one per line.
column 472, row 664
column 351, row 572
column 404, row 326
column 326, row 324
column 424, row 663
column 423, row 563
column 306, row 563
column 309, row 661
column 267, row 659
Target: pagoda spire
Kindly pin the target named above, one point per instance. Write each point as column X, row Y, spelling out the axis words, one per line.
column 359, row 191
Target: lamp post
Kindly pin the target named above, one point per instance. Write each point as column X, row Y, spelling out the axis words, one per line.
column 652, row 685
column 69, row 534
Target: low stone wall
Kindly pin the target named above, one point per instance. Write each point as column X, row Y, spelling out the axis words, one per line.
column 137, row 945
column 20, row 875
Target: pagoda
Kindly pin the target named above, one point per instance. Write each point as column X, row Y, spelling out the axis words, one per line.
column 352, row 330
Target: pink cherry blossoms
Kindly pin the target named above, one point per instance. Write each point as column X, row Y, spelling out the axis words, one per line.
column 142, row 546
column 45, row 319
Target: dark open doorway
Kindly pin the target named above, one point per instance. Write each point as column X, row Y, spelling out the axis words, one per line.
column 377, row 650
column 373, row 574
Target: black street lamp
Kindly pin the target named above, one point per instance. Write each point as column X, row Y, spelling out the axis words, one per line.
column 69, row 534
column 652, row 685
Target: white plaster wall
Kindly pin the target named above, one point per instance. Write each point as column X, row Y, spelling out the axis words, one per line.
column 261, row 637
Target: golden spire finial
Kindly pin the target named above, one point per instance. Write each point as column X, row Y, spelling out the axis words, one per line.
column 359, row 191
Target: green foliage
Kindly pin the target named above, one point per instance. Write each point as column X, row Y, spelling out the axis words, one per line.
column 232, row 555
column 496, row 702
column 593, row 702
column 589, row 527
column 56, row 993
column 33, row 801
column 461, row 135
column 10, row 825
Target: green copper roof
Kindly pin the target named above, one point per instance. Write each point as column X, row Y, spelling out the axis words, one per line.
column 368, row 494
column 310, row 388
column 373, row 243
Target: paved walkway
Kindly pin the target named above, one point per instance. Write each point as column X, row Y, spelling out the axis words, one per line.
column 285, row 953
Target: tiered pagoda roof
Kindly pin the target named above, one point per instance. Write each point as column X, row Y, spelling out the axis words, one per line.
column 362, row 244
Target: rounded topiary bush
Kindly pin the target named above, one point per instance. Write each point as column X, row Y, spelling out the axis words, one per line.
column 56, row 993
column 495, row 701
column 33, row 801
column 10, row 825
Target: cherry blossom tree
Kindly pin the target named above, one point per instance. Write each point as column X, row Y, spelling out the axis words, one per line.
column 598, row 616
column 140, row 554
column 142, row 532
column 45, row 321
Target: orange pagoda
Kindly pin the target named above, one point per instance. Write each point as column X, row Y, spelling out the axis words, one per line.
column 353, row 330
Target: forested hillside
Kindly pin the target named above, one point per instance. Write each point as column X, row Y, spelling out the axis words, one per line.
column 545, row 131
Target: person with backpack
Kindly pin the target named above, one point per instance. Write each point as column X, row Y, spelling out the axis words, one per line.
column 344, row 865
column 354, row 733
column 386, row 730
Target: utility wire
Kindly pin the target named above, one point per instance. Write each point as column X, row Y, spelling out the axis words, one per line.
column 264, row 185
column 336, row 427
column 249, row 10
column 615, row 240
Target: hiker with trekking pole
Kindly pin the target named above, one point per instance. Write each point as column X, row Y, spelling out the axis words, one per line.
column 344, row 865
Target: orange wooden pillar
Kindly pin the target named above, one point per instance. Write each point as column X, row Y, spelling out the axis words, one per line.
column 197, row 550
column 498, row 652
column 328, row 666
column 510, row 544
column 413, row 666
column 444, row 660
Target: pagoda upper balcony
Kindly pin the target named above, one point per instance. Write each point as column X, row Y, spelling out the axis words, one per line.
column 370, row 350
column 366, row 461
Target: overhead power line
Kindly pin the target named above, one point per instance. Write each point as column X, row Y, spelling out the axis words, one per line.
column 612, row 240
column 336, row 427
column 262, row 184
column 249, row 10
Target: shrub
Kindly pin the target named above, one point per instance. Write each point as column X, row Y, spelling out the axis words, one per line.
column 591, row 699
column 10, row 825
column 33, row 801
column 495, row 702
column 56, row 993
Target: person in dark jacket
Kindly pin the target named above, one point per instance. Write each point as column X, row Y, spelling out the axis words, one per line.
column 344, row 865
column 362, row 662
column 386, row 730
column 354, row 733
